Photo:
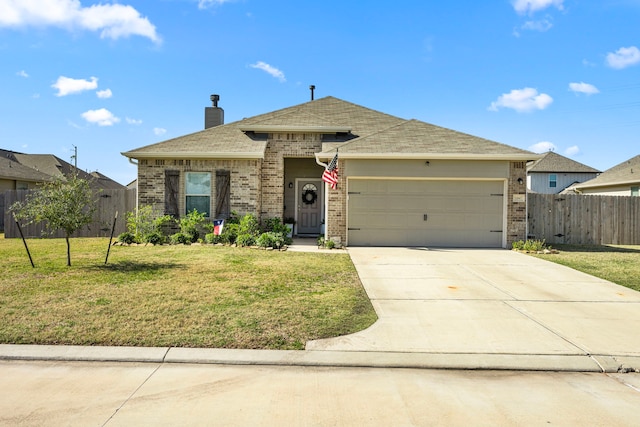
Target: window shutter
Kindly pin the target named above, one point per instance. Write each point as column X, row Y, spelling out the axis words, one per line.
column 171, row 192
column 223, row 190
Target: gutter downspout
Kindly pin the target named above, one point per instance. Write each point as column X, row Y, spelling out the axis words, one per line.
column 131, row 160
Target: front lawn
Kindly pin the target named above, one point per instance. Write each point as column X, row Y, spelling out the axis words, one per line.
column 618, row 264
column 186, row 296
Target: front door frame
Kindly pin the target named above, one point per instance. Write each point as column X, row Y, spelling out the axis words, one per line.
column 320, row 184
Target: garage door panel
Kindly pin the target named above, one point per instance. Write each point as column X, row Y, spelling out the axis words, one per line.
column 392, row 213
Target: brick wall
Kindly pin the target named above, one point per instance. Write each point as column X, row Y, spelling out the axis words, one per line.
column 337, row 221
column 279, row 146
column 245, row 182
column 517, row 203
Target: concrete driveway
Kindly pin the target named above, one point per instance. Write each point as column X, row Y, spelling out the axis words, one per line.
column 484, row 308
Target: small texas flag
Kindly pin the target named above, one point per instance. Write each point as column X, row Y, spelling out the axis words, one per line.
column 218, row 224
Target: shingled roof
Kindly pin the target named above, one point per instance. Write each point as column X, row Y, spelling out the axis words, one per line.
column 12, row 170
column 555, row 163
column 627, row 172
column 367, row 132
column 236, row 139
column 414, row 138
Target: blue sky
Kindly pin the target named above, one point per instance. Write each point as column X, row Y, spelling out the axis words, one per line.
column 108, row 77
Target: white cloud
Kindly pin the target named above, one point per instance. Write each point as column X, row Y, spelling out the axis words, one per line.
column 133, row 121
column 582, row 87
column 204, row 4
column 104, row 93
column 67, row 86
column 542, row 147
column 541, row 26
column 22, row 73
column 274, row 72
column 522, row 100
column 101, row 117
column 572, row 151
column 112, row 20
column 623, row 57
column 159, row 131
column 531, row 6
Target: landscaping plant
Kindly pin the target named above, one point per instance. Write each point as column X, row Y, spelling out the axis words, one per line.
column 66, row 205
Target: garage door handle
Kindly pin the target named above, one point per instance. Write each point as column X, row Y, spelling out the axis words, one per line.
column 425, row 217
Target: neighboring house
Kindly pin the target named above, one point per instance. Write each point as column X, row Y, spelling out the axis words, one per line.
column 19, row 171
column 15, row 176
column 401, row 182
column 553, row 173
column 621, row 180
column 58, row 168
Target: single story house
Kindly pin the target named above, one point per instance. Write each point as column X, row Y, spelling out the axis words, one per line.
column 621, row 180
column 400, row 182
column 16, row 176
column 553, row 173
column 20, row 171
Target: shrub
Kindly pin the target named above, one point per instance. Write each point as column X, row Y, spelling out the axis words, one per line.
column 324, row 243
column 180, row 238
column 271, row 239
column 274, row 225
column 248, row 230
column 530, row 245
column 245, row 239
column 156, row 238
column 249, row 225
column 144, row 225
column 127, row 238
column 192, row 225
column 229, row 233
column 234, row 218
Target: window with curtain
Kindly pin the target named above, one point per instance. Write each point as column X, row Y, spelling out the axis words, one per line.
column 198, row 192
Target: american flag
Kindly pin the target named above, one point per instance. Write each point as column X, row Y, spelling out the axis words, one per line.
column 330, row 174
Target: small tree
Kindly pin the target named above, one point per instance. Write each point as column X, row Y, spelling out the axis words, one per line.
column 65, row 205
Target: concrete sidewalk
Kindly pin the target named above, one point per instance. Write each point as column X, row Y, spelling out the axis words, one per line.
column 447, row 309
column 492, row 308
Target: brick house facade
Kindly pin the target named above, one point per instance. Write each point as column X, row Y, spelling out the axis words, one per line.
column 267, row 162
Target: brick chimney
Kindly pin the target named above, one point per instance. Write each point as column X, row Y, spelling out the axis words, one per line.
column 213, row 116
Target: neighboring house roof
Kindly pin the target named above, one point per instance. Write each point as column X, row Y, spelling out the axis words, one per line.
column 47, row 163
column 105, row 182
column 13, row 170
column 627, row 172
column 46, row 167
column 555, row 163
column 359, row 132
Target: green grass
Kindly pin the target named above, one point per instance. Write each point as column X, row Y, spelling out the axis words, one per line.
column 618, row 264
column 187, row 296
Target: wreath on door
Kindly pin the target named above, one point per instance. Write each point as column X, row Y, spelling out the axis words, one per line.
column 309, row 194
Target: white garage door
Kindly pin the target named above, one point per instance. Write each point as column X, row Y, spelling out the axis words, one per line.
column 425, row 213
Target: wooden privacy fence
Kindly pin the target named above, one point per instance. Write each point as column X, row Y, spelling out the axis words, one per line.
column 108, row 202
column 584, row 220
